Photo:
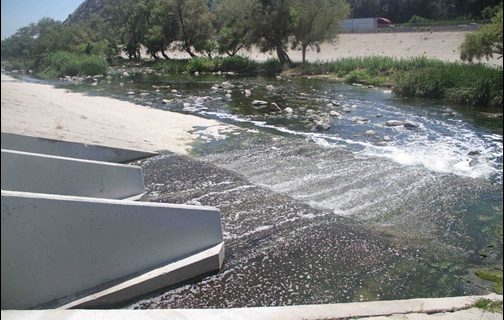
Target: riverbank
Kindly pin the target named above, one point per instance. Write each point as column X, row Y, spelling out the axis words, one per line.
column 45, row 111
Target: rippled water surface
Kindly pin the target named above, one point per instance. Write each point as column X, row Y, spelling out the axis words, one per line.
column 355, row 210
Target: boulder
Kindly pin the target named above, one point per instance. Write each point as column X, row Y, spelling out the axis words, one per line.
column 335, row 103
column 247, row 92
column 269, row 87
column 410, row 125
column 359, row 119
column 333, row 113
column 259, row 103
column 226, row 85
column 288, row 110
column 394, row 123
column 322, row 125
column 370, row 133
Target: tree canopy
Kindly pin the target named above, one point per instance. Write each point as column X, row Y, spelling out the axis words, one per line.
column 484, row 43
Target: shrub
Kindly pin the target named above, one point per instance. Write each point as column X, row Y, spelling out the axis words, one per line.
column 237, row 64
column 63, row 63
column 272, row 67
column 200, row 64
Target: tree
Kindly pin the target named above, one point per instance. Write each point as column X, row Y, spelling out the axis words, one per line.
column 317, row 21
column 235, row 25
column 195, row 24
column 484, row 43
column 273, row 22
column 164, row 28
column 131, row 17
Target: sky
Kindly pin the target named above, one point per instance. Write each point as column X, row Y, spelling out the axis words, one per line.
column 20, row 13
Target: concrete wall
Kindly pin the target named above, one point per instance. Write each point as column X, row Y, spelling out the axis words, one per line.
column 70, row 149
column 55, row 246
column 359, row 25
column 31, row 172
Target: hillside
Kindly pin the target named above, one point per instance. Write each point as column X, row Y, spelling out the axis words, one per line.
column 86, row 10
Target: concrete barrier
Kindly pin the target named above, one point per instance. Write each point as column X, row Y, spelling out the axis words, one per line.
column 31, row 172
column 60, row 248
column 450, row 308
column 70, row 149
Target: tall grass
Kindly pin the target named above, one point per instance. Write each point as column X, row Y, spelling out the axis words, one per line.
column 203, row 64
column 63, row 63
column 470, row 84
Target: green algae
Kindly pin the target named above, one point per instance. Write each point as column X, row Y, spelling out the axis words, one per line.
column 491, row 275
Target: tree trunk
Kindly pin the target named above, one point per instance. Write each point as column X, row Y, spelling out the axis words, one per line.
column 188, row 50
column 304, row 53
column 283, row 56
column 165, row 55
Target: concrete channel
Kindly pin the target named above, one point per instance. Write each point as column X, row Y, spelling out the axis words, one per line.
column 72, row 236
column 71, row 149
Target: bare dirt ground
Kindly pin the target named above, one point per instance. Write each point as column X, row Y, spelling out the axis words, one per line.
column 443, row 45
column 44, row 111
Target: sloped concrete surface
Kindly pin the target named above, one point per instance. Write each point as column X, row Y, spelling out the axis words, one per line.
column 71, row 149
column 54, row 247
column 40, row 173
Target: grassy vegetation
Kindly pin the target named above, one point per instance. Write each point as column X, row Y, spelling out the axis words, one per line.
column 224, row 64
column 62, row 63
column 470, row 84
column 489, row 305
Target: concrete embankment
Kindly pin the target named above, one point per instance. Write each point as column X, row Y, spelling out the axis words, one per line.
column 456, row 308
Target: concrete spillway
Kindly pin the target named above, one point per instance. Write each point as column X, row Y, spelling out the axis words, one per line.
column 68, row 241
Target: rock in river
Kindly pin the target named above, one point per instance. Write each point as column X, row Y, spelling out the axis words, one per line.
column 394, row 123
column 259, row 103
column 288, row 110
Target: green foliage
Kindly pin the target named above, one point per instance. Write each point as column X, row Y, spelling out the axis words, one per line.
column 200, row 64
column 62, row 63
column 235, row 25
column 418, row 20
column 272, row 67
column 317, row 21
column 477, row 84
column 238, row 64
column 203, row 64
column 195, row 23
column 489, row 305
column 484, row 43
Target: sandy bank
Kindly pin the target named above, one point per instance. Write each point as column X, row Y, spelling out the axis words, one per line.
column 442, row 45
column 44, row 111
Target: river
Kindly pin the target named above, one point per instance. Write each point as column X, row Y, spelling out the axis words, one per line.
column 353, row 210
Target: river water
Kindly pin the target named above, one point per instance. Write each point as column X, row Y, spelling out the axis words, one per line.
column 357, row 211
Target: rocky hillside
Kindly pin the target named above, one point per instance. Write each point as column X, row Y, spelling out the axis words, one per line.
column 85, row 10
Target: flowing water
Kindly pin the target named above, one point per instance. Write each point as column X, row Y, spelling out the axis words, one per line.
column 356, row 211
